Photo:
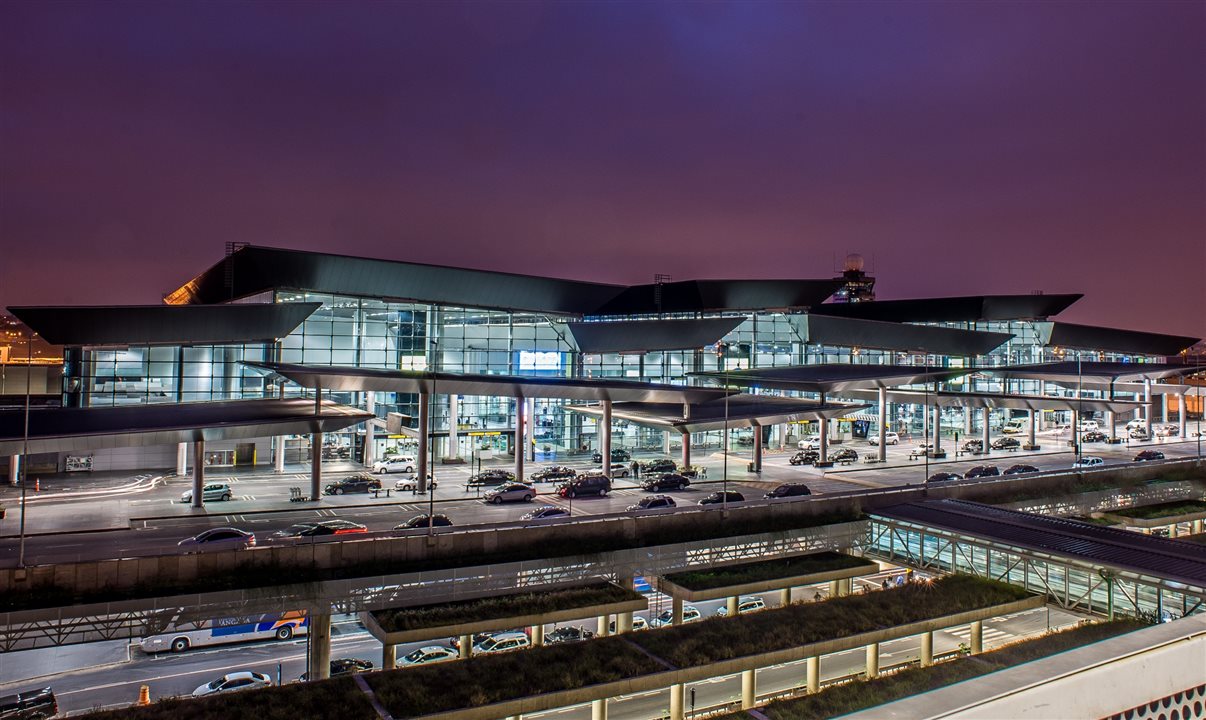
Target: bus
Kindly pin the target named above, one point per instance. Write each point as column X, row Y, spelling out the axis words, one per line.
column 181, row 637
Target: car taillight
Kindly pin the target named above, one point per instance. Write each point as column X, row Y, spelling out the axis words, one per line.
column 349, row 531
column 251, row 541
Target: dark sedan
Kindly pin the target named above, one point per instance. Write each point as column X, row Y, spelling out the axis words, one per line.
column 421, row 521
column 845, row 455
column 943, row 477
column 982, row 471
column 720, row 497
column 1149, row 455
column 617, row 455
column 319, row 529
column 658, row 465
column 491, row 477
column 666, row 481
column 569, row 633
column 552, row 474
column 653, row 503
column 1093, row 436
column 1019, row 469
column 1006, row 443
column 805, row 457
column 355, row 484
column 345, row 666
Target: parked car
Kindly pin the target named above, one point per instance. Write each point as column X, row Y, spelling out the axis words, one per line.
column 617, row 455
column 638, row 623
column 619, row 469
column 568, row 633
column 359, row 483
column 844, row 455
column 1148, row 455
column 658, row 465
column 344, row 666
column 421, row 521
column 690, row 614
column 1019, row 469
column 809, row 442
column 653, row 503
column 502, row 642
column 585, row 485
column 395, row 463
column 412, row 483
column 212, row 492
column 1138, row 433
column 1088, row 461
column 1093, row 436
column 223, row 538
column 890, row 438
column 233, row 682
column 982, row 471
column 788, row 490
column 555, row 472
column 546, row 512
column 805, row 457
column 665, row 481
column 1167, row 431
column 320, row 528
column 455, row 640
column 1086, row 425
column 943, row 477
column 426, row 655
column 495, row 476
column 973, row 446
column 744, row 605
column 1005, row 443
column 511, row 492
column 721, row 496
column 31, row 705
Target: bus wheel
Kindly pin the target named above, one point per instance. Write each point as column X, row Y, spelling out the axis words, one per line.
column 180, row 644
column 284, row 633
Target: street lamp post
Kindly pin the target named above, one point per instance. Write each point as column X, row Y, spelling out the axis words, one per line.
column 435, row 346
column 25, row 447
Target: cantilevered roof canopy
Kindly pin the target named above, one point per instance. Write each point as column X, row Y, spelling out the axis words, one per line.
column 1092, row 337
column 126, row 325
column 1108, row 547
column 650, row 335
column 1127, row 388
column 1100, row 372
column 93, row 428
column 698, row 295
column 833, row 377
column 741, row 411
column 954, row 309
column 356, row 379
column 821, row 329
column 997, row 400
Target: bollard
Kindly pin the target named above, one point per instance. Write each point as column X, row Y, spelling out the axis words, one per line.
column 144, row 695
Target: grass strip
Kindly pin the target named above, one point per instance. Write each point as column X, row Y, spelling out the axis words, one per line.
column 856, row 696
column 335, row 698
column 766, row 570
column 506, row 606
column 720, row 639
column 1168, row 509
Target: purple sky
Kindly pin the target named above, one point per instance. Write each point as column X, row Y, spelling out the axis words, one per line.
column 966, row 148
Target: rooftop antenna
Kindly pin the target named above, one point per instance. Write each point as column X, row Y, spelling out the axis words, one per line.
column 659, row 279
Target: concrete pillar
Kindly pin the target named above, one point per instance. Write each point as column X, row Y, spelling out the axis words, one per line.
column 623, row 623
column 824, row 439
column 181, row 461
column 1111, row 425
column 529, row 435
column 315, row 465
column 537, row 634
column 605, row 438
column 521, row 443
column 198, row 473
column 749, row 689
column 927, row 649
column 423, row 452
column 731, row 606
column 757, row 447
column 882, row 451
column 937, row 427
column 466, row 648
column 1181, row 415
column 389, row 657
column 813, row 673
column 676, row 611
column 1172, row 531
column 14, row 468
column 1164, row 408
column 666, row 443
column 967, row 421
column 1030, row 429
column 454, row 436
column 278, row 460
column 603, row 626
column 1147, row 407
column 785, row 597
column 1197, row 527
column 844, row 586
column 834, row 588
column 977, row 637
column 687, row 450
column 598, row 709
column 370, row 430
column 986, row 438
column 925, row 425
column 319, row 644
column 677, row 701
column 872, row 660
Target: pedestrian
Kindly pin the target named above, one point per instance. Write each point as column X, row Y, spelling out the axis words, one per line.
column 884, row 585
column 636, row 469
column 817, row 597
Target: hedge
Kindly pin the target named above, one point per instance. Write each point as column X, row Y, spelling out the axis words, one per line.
column 766, row 570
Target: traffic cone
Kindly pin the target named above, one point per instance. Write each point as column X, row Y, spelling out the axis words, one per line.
column 144, row 695
column 37, row 485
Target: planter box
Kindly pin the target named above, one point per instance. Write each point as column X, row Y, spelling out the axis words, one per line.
column 675, row 590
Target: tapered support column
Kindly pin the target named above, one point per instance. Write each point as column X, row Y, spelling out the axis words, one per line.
column 785, row 597
column 927, row 649
column 986, row 437
column 537, row 633
column 389, row 657
column 1147, row 407
column 844, row 586
column 424, row 442
column 181, row 462
column 624, row 619
column 603, row 626
column 521, row 434
column 278, row 458
column 824, row 439
column 1164, row 408
column 319, row 644
column 813, row 673
column 315, row 466
column 686, row 450
column 677, row 701
column 1030, row 428
column 757, row 447
column 749, row 689
column 14, row 467
column 529, row 435
column 873, row 660
column 198, row 473
column 1182, row 413
column 731, row 606
column 605, row 438
column 937, row 428
column 967, row 421
column 598, row 709
column 977, row 637
column 882, row 451
column 834, row 589
column 466, row 646
column 370, row 430
column 676, row 611
column 1111, row 425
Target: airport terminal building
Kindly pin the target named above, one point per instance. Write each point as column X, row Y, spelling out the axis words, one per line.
column 224, row 335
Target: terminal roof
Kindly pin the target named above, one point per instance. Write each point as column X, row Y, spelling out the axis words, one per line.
column 817, row 328
column 833, row 377
column 1092, row 337
column 975, row 308
column 1098, row 372
column 738, row 411
column 355, row 379
column 93, row 428
column 1106, row 547
column 126, row 325
column 998, row 400
column 650, row 335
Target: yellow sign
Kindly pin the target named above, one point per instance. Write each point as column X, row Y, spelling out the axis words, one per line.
column 481, row 433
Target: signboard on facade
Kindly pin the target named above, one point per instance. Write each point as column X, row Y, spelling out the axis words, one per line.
column 79, row 463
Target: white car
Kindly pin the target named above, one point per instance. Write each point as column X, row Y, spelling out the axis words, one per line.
column 690, row 614
column 1088, row 461
column 212, row 492
column 810, row 442
column 502, row 642
column 890, row 438
column 232, row 682
column 511, row 492
column 1087, row 425
column 744, row 605
column 395, row 463
column 638, row 623
column 429, row 654
column 620, row 470
column 412, row 483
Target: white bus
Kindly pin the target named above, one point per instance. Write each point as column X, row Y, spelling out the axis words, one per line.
column 281, row 626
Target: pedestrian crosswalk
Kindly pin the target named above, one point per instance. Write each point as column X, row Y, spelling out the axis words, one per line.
column 992, row 635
